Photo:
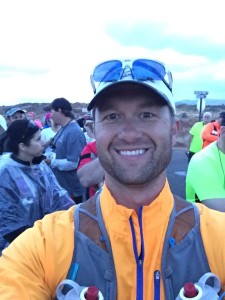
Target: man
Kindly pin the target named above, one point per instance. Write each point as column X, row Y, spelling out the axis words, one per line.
column 11, row 114
column 134, row 240
column 14, row 113
column 205, row 180
column 211, row 131
column 89, row 170
column 195, row 139
column 67, row 145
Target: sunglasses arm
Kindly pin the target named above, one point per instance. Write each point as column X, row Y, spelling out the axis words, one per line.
column 93, row 83
column 170, row 78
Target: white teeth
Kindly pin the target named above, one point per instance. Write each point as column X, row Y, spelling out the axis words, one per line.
column 133, row 152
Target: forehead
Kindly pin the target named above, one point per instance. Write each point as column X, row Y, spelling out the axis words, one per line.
column 17, row 114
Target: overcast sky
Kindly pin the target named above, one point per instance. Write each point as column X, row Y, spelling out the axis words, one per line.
column 49, row 48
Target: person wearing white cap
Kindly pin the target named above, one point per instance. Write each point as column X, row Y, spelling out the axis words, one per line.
column 134, row 239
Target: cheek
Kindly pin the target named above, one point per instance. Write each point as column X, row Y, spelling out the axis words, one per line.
column 37, row 146
column 102, row 134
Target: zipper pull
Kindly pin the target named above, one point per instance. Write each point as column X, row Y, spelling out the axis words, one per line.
column 172, row 241
column 157, row 285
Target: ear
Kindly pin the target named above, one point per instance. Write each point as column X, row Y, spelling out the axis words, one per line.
column 175, row 131
column 21, row 146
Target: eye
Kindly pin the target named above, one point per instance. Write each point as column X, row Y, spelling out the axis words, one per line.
column 112, row 117
column 147, row 115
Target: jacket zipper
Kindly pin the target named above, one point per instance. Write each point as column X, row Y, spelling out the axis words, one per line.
column 157, row 285
column 139, row 258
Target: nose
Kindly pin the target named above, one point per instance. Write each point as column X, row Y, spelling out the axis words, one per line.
column 130, row 131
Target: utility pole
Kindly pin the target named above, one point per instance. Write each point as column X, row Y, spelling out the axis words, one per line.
column 201, row 102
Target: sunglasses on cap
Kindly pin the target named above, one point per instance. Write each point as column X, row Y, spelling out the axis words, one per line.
column 30, row 124
column 138, row 69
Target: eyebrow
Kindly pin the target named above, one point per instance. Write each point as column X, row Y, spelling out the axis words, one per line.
column 106, row 107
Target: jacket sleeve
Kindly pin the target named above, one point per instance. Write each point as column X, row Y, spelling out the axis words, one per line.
column 38, row 260
column 207, row 133
column 64, row 164
column 14, row 215
column 60, row 197
column 190, row 192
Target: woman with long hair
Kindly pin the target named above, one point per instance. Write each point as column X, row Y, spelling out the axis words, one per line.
column 28, row 187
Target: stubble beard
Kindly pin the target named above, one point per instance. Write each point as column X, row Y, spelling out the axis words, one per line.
column 139, row 175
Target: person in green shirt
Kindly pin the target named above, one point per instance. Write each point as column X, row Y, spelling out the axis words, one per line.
column 195, row 140
column 205, row 180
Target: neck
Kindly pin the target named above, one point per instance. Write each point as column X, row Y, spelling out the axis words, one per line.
column 135, row 196
column 24, row 157
column 65, row 121
column 56, row 128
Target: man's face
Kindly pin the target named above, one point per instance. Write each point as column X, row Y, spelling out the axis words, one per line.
column 56, row 116
column 17, row 116
column 206, row 119
column 134, row 138
column 30, row 116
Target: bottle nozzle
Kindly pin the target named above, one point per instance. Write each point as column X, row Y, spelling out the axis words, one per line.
column 92, row 293
column 190, row 290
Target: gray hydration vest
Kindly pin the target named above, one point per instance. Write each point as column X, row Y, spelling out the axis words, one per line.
column 183, row 257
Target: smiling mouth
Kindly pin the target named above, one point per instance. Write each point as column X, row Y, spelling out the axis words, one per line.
column 132, row 152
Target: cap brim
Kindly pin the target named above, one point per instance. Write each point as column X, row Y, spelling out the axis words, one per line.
column 14, row 112
column 158, row 86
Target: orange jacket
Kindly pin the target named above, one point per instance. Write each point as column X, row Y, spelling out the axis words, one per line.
column 39, row 259
column 210, row 133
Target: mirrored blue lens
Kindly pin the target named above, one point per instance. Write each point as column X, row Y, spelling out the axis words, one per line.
column 108, row 71
column 145, row 69
column 141, row 69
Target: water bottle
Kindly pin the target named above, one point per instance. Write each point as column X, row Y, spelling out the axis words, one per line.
column 77, row 292
column 201, row 290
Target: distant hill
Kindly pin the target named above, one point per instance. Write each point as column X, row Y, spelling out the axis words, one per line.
column 210, row 102
column 79, row 108
column 37, row 108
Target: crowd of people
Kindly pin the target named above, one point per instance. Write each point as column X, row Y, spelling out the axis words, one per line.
column 86, row 207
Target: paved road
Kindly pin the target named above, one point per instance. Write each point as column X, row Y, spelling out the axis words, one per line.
column 176, row 172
